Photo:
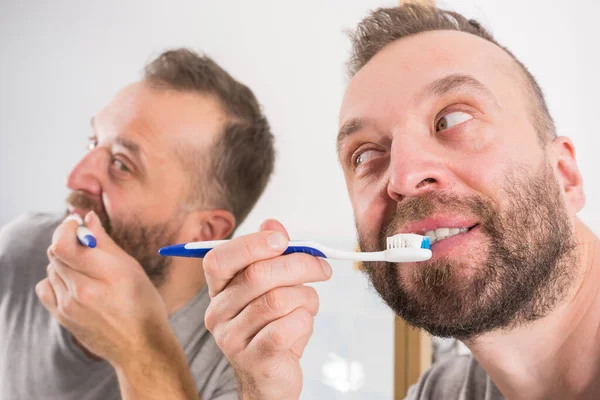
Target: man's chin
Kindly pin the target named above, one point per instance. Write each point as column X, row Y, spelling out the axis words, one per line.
column 437, row 274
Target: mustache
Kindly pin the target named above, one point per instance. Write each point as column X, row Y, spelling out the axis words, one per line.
column 418, row 208
column 79, row 199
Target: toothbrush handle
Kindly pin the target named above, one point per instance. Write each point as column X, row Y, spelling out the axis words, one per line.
column 194, row 250
column 304, row 249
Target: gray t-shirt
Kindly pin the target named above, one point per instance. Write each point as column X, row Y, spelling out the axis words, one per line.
column 38, row 359
column 458, row 378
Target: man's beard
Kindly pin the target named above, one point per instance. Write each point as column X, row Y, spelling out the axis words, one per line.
column 528, row 248
column 141, row 241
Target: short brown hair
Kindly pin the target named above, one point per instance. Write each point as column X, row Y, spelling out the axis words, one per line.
column 386, row 25
column 241, row 160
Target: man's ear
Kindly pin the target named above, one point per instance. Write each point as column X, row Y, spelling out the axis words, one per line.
column 569, row 177
column 207, row 225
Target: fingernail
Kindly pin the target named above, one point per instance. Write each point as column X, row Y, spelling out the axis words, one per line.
column 326, row 267
column 277, row 241
column 89, row 216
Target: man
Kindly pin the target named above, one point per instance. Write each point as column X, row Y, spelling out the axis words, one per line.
column 440, row 128
column 182, row 155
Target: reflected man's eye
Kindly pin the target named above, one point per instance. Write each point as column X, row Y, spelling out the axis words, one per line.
column 451, row 119
column 92, row 143
column 120, row 166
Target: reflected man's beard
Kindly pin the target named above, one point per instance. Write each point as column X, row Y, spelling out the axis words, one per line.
column 526, row 271
column 139, row 240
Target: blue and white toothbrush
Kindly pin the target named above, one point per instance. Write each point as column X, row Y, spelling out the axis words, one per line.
column 84, row 235
column 404, row 247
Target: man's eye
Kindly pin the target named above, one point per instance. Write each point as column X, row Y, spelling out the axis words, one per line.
column 451, row 119
column 120, row 165
column 365, row 156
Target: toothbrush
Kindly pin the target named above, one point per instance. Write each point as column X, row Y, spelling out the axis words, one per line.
column 84, row 235
column 404, row 247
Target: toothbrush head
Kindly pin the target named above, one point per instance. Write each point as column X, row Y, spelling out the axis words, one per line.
column 407, row 247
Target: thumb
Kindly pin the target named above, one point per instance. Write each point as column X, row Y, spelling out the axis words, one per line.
column 92, row 222
column 275, row 226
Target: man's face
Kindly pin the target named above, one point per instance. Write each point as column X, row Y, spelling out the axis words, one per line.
column 436, row 137
column 133, row 175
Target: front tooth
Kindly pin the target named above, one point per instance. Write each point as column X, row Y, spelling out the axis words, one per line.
column 442, row 232
column 454, row 231
column 431, row 235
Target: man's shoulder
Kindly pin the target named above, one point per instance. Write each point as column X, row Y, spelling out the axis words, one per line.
column 26, row 235
column 460, row 378
column 29, row 226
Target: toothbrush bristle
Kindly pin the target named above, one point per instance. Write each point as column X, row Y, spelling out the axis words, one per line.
column 410, row 240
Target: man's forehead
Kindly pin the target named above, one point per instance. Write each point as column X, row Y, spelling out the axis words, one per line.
column 143, row 113
column 130, row 106
column 406, row 67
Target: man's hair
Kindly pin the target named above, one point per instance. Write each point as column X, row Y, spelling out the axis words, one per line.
column 386, row 25
column 234, row 172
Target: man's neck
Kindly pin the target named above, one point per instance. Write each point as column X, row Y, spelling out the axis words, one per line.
column 184, row 281
column 558, row 356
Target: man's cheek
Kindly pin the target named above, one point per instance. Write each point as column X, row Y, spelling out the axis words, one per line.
column 367, row 217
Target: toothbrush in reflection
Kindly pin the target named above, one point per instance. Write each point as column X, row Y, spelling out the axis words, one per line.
column 84, row 235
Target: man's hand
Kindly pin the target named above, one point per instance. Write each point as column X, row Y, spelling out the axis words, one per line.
column 261, row 313
column 105, row 299
column 101, row 295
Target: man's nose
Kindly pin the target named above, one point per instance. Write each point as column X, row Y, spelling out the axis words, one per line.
column 88, row 172
column 415, row 168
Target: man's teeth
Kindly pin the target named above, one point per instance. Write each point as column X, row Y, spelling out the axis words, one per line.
column 443, row 233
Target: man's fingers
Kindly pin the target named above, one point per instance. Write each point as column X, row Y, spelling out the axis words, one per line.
column 235, row 334
column 281, row 335
column 79, row 286
column 67, row 250
column 64, row 240
column 45, row 293
column 58, row 285
column 223, row 262
column 64, row 302
column 298, row 348
column 262, row 277
column 273, row 225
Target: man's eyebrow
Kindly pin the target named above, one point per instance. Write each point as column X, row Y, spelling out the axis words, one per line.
column 348, row 128
column 133, row 147
column 456, row 83
column 130, row 145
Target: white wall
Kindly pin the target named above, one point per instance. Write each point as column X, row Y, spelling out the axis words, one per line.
column 61, row 61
